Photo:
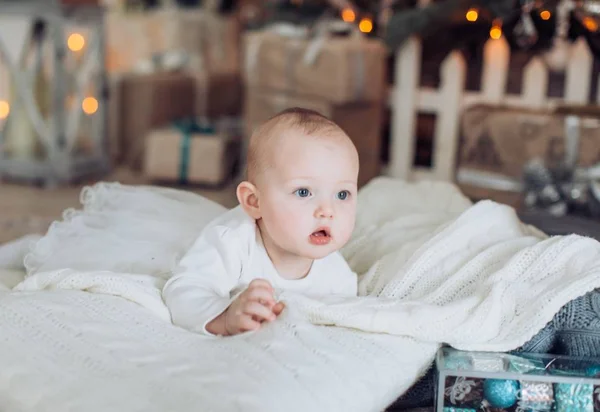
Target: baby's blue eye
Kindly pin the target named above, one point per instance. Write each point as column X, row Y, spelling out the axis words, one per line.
column 343, row 195
column 302, row 192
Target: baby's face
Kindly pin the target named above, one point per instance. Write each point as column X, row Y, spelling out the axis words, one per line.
column 308, row 197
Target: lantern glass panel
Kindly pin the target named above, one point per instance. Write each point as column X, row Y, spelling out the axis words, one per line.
column 26, row 92
column 83, row 68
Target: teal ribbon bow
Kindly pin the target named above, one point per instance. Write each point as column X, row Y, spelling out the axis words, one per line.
column 188, row 128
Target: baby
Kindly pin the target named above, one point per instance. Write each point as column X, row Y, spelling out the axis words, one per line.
column 297, row 209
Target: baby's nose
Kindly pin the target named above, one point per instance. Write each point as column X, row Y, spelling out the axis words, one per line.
column 324, row 212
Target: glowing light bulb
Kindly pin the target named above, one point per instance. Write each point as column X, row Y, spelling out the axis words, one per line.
column 472, row 15
column 75, row 42
column 89, row 105
column 496, row 31
column 545, row 15
column 365, row 25
column 348, row 15
column 590, row 24
column 4, row 109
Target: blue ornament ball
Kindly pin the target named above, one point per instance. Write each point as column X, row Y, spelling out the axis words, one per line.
column 593, row 370
column 501, row 393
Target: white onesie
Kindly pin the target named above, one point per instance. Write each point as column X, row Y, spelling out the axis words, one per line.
column 225, row 258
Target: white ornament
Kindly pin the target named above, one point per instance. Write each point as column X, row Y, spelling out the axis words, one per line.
column 557, row 58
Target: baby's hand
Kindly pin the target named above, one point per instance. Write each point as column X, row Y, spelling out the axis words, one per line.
column 251, row 308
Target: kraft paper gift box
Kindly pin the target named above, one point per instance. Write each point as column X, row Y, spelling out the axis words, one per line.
column 206, row 47
column 144, row 102
column 501, row 140
column 218, row 94
column 338, row 68
column 132, row 37
column 216, row 37
column 497, row 142
column 141, row 102
column 190, row 156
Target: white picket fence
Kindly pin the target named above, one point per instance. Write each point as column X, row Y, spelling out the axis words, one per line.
column 448, row 101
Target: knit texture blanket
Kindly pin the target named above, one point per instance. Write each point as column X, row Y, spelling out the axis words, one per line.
column 433, row 269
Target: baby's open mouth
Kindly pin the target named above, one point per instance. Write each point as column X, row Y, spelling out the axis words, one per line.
column 321, row 236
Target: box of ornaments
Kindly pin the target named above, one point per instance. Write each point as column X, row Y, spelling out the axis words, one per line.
column 515, row 382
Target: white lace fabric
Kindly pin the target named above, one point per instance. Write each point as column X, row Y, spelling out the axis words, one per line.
column 87, row 330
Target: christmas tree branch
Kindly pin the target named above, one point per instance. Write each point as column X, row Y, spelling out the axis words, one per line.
column 429, row 19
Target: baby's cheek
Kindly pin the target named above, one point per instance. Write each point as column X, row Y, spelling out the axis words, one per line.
column 346, row 225
column 287, row 220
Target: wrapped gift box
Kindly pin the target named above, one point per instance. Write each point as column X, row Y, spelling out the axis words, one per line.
column 500, row 382
column 199, row 157
column 338, row 68
column 137, row 36
column 190, row 57
column 218, row 94
column 133, row 37
column 497, row 143
column 141, row 103
column 362, row 122
column 214, row 36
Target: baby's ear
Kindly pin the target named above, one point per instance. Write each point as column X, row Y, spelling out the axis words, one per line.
column 247, row 195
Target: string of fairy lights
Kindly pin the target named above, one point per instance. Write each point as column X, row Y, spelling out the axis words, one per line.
column 472, row 15
column 76, row 43
column 591, row 22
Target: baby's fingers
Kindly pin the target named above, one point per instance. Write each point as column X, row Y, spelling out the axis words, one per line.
column 246, row 323
column 259, row 311
column 261, row 283
column 261, row 295
column 278, row 308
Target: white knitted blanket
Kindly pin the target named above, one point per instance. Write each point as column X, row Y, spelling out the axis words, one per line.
column 434, row 269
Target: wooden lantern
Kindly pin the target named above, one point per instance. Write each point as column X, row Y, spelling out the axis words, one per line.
column 52, row 91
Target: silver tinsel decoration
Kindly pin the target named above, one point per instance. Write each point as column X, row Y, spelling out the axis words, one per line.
column 561, row 191
column 566, row 187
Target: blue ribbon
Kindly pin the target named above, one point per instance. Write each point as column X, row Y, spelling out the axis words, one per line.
column 188, row 128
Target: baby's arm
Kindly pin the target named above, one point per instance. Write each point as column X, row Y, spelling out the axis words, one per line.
column 198, row 295
column 200, row 289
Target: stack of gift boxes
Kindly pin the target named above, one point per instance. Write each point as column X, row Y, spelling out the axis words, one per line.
column 333, row 69
column 165, row 67
column 170, row 66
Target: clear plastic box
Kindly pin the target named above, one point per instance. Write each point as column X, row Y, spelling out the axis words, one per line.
column 520, row 382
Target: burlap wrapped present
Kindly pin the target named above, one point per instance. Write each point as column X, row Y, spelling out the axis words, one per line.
column 497, row 142
column 341, row 68
column 212, row 39
column 134, row 37
column 143, row 102
column 188, row 154
column 217, row 94
column 154, row 45
column 362, row 122
column 215, row 37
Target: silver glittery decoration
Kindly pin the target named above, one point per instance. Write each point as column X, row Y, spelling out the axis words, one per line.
column 525, row 32
column 488, row 363
column 536, row 396
column 563, row 188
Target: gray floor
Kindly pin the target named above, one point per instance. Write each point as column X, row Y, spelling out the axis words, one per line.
column 28, row 209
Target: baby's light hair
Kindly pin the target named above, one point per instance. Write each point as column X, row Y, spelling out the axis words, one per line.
column 309, row 122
